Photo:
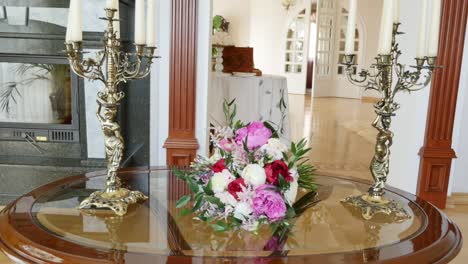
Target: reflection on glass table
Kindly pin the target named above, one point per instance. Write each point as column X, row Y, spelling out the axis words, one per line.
column 154, row 231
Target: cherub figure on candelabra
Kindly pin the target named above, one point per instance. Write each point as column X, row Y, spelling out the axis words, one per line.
column 114, row 143
column 380, row 163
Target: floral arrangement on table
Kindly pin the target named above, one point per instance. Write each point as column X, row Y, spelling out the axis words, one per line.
column 252, row 178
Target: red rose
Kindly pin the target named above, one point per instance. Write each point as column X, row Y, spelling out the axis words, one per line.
column 276, row 168
column 235, row 186
column 219, row 166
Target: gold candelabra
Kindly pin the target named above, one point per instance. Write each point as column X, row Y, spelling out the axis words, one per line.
column 112, row 67
column 381, row 80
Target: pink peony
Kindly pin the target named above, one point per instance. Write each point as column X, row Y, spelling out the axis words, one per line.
column 226, row 145
column 256, row 133
column 268, row 201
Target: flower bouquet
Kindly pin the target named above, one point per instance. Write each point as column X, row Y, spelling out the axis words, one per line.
column 251, row 179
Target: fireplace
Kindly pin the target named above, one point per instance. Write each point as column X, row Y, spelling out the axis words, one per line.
column 47, row 113
column 38, row 100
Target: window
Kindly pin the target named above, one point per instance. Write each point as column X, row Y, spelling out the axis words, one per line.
column 295, row 44
column 342, row 40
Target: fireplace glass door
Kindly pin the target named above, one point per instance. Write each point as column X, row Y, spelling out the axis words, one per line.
column 35, row 93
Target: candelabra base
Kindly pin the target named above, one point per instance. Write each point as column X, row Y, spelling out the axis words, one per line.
column 117, row 201
column 373, row 205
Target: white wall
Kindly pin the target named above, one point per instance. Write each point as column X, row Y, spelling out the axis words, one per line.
column 159, row 126
column 409, row 125
column 459, row 175
column 238, row 14
column 267, row 35
column 203, row 75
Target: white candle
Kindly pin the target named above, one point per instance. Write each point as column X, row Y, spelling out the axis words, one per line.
column 434, row 29
column 117, row 22
column 112, row 4
column 396, row 12
column 386, row 28
column 351, row 29
column 140, row 32
column 151, row 34
column 68, row 34
column 75, row 33
column 421, row 51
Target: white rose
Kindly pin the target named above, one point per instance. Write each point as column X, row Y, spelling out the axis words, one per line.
column 254, row 175
column 291, row 193
column 220, row 181
column 242, row 211
column 274, row 148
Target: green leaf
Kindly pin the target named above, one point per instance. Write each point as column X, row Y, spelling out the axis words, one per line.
column 193, row 185
column 198, row 204
column 290, row 213
column 273, row 130
column 185, row 212
column 214, row 200
column 208, row 189
column 293, row 148
column 179, row 174
column 220, row 226
column 281, row 181
column 183, row 201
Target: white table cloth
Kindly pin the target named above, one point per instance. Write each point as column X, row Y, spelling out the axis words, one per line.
column 262, row 98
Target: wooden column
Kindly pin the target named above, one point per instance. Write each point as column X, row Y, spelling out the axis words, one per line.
column 437, row 153
column 182, row 145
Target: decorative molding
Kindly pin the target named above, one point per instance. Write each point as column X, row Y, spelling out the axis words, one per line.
column 182, row 145
column 437, row 153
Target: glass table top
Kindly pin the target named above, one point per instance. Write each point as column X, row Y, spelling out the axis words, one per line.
column 155, row 226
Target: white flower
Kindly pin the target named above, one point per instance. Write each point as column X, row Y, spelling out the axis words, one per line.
column 226, row 198
column 254, row 174
column 220, row 181
column 216, row 156
column 274, row 149
column 291, row 193
column 242, row 211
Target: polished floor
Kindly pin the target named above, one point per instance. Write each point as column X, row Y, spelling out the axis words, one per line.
column 339, row 132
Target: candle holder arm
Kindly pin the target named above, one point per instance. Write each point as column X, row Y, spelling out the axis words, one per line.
column 363, row 79
column 133, row 70
column 412, row 81
column 87, row 68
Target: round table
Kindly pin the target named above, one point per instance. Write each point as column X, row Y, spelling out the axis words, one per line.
column 44, row 226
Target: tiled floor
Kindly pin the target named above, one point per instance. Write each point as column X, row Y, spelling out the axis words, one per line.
column 342, row 139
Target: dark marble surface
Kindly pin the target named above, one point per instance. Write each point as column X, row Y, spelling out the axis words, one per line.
column 17, row 180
